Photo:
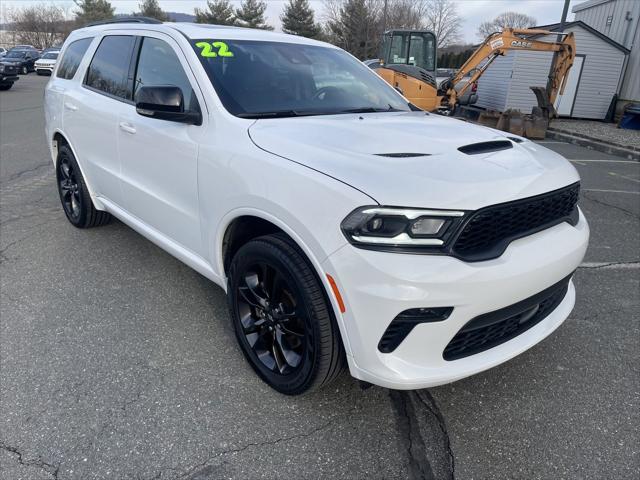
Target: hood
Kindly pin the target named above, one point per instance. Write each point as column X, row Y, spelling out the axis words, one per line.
column 411, row 159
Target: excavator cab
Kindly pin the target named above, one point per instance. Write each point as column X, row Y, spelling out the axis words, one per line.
column 408, row 62
column 407, row 47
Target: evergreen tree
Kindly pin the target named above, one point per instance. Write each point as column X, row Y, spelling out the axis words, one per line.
column 355, row 29
column 93, row 11
column 151, row 9
column 251, row 15
column 218, row 12
column 298, row 19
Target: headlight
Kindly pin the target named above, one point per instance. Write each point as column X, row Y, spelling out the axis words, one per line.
column 392, row 228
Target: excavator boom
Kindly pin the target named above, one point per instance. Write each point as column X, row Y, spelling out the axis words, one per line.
column 499, row 43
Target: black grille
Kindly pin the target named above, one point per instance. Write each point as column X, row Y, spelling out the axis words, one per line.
column 492, row 329
column 488, row 231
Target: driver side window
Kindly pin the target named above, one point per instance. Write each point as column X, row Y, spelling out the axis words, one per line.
column 159, row 65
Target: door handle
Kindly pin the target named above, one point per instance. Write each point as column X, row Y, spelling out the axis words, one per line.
column 127, row 127
column 70, row 106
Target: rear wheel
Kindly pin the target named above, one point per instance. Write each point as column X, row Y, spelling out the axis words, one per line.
column 74, row 194
column 6, row 86
column 281, row 317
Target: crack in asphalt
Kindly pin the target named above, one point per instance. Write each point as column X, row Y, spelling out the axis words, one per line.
column 408, row 426
column 195, row 470
column 432, row 407
column 610, row 265
column 34, row 231
column 47, row 467
column 25, row 172
column 600, row 202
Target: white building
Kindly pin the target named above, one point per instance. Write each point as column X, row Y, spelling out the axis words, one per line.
column 620, row 21
column 605, row 68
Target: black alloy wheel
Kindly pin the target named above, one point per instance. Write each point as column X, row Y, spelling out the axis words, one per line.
column 282, row 318
column 69, row 189
column 74, row 194
column 272, row 322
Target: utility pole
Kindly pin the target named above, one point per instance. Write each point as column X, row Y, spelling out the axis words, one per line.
column 384, row 16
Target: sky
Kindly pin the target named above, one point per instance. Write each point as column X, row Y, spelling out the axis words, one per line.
column 473, row 12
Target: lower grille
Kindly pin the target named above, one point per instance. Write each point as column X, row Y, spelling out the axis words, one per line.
column 493, row 328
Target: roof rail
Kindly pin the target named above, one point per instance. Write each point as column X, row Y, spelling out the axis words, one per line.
column 124, row 19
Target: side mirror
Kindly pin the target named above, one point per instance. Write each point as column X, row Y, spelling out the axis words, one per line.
column 165, row 102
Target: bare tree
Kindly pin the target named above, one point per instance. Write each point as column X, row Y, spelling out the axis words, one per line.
column 505, row 20
column 41, row 25
column 402, row 14
column 442, row 18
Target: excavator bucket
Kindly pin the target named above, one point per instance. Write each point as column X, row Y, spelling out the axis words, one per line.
column 537, row 122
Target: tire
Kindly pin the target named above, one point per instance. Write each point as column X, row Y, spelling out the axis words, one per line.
column 6, row 87
column 74, row 194
column 25, row 70
column 293, row 342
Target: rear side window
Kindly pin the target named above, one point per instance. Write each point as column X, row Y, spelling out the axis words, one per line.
column 109, row 69
column 72, row 58
column 159, row 65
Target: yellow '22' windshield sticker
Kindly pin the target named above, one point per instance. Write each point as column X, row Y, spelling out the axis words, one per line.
column 214, row 49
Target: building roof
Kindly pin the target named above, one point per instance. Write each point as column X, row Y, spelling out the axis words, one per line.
column 554, row 27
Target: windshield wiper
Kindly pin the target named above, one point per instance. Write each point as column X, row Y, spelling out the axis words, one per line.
column 370, row 110
column 278, row 114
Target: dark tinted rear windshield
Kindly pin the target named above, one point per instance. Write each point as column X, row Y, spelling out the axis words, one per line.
column 255, row 78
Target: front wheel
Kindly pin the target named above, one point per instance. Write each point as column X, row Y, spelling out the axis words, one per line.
column 6, row 86
column 282, row 318
column 25, row 70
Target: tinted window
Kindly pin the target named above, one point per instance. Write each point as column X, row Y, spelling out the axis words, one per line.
column 72, row 58
column 109, row 67
column 255, row 78
column 50, row 56
column 159, row 65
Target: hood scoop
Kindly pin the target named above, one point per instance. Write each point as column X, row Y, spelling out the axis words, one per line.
column 402, row 155
column 486, row 147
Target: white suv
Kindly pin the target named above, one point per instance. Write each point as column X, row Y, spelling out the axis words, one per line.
column 343, row 222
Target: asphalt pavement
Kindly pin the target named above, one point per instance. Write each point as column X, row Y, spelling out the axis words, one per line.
column 119, row 362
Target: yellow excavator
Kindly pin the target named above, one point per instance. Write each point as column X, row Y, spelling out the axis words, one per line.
column 408, row 62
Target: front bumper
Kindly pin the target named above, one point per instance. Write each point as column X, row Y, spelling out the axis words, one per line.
column 44, row 68
column 8, row 78
column 377, row 286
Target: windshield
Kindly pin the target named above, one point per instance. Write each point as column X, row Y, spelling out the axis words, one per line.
column 410, row 48
column 267, row 79
column 16, row 54
column 50, row 56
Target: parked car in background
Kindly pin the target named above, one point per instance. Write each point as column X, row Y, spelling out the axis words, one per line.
column 372, row 63
column 3, row 51
column 23, row 47
column 24, row 60
column 8, row 75
column 45, row 64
